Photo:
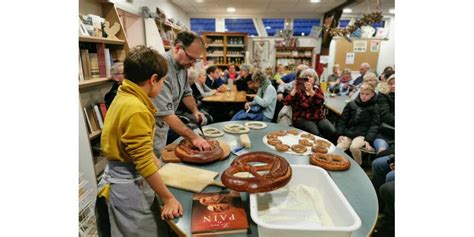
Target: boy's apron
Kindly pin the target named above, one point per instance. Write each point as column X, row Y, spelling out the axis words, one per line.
column 131, row 201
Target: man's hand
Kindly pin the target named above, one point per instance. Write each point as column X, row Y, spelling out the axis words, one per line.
column 368, row 147
column 213, row 91
column 201, row 144
column 171, row 209
column 200, row 118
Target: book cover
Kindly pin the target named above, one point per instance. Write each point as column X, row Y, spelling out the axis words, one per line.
column 93, row 119
column 89, row 124
column 218, row 213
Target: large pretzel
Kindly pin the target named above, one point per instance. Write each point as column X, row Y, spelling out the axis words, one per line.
column 279, row 173
column 236, row 128
column 330, row 161
column 187, row 152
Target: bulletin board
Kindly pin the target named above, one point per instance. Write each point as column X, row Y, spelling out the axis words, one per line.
column 343, row 47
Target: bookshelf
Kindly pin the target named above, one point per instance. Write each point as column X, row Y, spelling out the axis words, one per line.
column 93, row 86
column 224, row 48
column 292, row 56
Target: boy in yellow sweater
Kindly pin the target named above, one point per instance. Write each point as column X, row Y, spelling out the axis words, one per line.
column 127, row 142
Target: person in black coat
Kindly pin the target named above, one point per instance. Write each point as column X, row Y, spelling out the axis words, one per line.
column 245, row 78
column 386, row 104
column 359, row 123
column 117, row 74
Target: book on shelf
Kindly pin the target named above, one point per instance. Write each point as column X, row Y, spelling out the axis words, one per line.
column 101, row 60
column 108, row 62
column 103, row 109
column 81, row 73
column 92, row 118
column 98, row 115
column 89, row 124
column 94, row 65
column 218, row 213
column 86, row 65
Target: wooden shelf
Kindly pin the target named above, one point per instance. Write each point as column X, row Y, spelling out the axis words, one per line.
column 215, row 55
column 290, row 56
column 94, row 134
column 215, row 45
column 100, row 165
column 293, row 48
column 100, row 40
column 236, row 56
column 93, row 82
column 226, row 65
column 236, row 45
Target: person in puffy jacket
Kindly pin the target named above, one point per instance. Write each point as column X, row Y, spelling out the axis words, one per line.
column 359, row 123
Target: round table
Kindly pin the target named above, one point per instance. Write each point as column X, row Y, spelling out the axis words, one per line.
column 353, row 183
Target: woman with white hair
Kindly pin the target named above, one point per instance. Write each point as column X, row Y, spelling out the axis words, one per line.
column 307, row 102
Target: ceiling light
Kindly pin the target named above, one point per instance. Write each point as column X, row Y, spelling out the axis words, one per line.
column 392, row 11
column 199, row 0
column 302, row 33
column 347, row 10
column 268, row 27
column 230, row 9
column 314, row 1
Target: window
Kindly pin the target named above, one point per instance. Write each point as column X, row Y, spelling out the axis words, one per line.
column 303, row 26
column 272, row 26
column 200, row 25
column 241, row 25
column 380, row 24
column 343, row 23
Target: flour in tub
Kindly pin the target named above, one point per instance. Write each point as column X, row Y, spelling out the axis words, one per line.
column 300, row 205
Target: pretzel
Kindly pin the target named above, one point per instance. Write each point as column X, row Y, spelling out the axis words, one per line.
column 273, row 141
column 308, row 136
column 236, row 128
column 256, row 125
column 321, row 142
column 319, row 149
column 330, row 161
column 271, row 135
column 282, row 147
column 280, row 133
column 305, row 142
column 212, row 132
column 298, row 148
column 293, row 132
column 187, row 152
column 278, row 175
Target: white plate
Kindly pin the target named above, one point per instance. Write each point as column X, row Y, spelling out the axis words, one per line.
column 290, row 139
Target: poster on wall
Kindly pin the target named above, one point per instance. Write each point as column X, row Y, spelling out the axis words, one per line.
column 360, row 46
column 374, row 45
column 350, row 58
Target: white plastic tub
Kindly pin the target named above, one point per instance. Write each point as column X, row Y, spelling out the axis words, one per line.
column 345, row 219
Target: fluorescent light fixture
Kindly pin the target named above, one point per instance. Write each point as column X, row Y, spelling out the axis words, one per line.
column 199, row 0
column 314, row 1
column 392, row 11
column 268, row 27
column 302, row 33
column 347, row 10
column 230, row 9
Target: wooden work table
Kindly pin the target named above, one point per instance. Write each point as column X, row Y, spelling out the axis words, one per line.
column 229, row 96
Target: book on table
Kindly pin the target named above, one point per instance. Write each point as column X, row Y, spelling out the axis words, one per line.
column 218, row 213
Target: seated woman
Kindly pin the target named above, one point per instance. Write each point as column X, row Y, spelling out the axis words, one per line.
column 245, row 76
column 231, row 73
column 280, row 72
column 344, row 87
column 262, row 107
column 307, row 104
column 197, row 79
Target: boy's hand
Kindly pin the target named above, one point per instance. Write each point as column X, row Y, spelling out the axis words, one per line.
column 171, row 209
column 201, row 144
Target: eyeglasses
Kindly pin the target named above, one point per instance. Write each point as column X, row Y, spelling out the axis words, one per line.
column 190, row 58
